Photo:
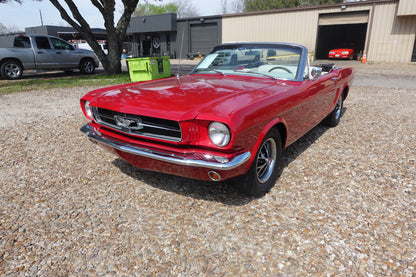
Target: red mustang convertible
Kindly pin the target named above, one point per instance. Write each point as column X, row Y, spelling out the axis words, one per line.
column 230, row 118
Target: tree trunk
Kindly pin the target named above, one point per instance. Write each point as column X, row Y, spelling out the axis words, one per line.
column 115, row 34
column 111, row 62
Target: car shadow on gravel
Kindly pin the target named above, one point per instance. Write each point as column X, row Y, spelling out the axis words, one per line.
column 297, row 148
column 223, row 192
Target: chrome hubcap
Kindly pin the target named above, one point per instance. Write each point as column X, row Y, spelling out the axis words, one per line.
column 12, row 70
column 88, row 67
column 338, row 108
column 266, row 160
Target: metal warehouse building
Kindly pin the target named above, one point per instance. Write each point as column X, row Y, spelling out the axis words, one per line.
column 383, row 29
column 164, row 34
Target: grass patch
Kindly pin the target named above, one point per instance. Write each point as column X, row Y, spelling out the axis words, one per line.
column 58, row 80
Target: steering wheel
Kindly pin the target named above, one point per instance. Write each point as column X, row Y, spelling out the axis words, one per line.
column 282, row 68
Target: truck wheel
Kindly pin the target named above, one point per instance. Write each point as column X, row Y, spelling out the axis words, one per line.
column 265, row 169
column 87, row 66
column 11, row 70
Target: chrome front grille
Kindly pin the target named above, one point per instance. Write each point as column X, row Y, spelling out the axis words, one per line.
column 132, row 124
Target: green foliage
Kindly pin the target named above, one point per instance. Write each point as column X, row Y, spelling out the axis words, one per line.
column 8, row 29
column 18, row 1
column 5, row 1
column 262, row 5
column 151, row 9
column 321, row 2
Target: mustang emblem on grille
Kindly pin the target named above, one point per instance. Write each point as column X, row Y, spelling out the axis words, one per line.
column 129, row 123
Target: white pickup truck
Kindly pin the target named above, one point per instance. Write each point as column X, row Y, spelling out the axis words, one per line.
column 41, row 52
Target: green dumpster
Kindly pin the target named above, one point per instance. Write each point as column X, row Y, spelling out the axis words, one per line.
column 144, row 69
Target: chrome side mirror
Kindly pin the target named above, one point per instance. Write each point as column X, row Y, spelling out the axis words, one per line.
column 316, row 72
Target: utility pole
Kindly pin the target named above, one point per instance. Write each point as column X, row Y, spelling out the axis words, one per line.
column 41, row 19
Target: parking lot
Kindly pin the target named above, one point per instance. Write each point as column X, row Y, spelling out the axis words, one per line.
column 345, row 204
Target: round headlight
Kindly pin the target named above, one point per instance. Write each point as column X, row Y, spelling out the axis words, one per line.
column 88, row 109
column 219, row 134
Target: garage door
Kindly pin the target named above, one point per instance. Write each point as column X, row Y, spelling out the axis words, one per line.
column 203, row 37
column 343, row 18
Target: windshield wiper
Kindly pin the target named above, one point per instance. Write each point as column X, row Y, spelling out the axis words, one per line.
column 259, row 73
column 206, row 69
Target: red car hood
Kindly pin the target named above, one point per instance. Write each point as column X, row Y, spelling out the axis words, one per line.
column 185, row 98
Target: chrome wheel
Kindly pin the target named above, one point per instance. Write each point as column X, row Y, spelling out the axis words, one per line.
column 334, row 117
column 338, row 108
column 265, row 169
column 87, row 66
column 12, row 70
column 266, row 160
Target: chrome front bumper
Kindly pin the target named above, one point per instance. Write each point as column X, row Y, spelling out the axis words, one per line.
column 164, row 157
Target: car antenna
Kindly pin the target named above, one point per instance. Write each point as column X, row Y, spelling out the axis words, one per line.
column 180, row 54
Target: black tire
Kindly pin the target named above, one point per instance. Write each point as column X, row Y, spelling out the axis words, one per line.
column 334, row 117
column 11, row 70
column 87, row 66
column 265, row 169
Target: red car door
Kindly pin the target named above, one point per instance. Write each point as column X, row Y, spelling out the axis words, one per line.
column 321, row 93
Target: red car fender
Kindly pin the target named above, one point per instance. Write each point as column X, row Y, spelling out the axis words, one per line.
column 347, row 75
column 266, row 129
column 345, row 88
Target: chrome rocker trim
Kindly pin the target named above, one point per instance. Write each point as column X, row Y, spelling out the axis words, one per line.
column 174, row 159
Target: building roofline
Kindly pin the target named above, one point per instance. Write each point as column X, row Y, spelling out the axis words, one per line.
column 199, row 17
column 361, row 3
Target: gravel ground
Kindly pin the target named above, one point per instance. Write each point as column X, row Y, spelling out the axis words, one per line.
column 345, row 204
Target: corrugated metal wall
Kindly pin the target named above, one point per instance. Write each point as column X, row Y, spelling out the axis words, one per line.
column 391, row 37
column 296, row 27
column 407, row 7
column 203, row 37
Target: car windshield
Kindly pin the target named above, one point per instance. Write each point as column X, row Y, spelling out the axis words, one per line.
column 269, row 61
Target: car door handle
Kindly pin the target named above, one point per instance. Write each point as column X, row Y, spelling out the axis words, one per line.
column 58, row 52
column 40, row 52
column 335, row 79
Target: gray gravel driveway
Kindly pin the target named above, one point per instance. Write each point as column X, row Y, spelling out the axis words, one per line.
column 345, row 204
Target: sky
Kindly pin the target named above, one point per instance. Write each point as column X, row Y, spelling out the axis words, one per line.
column 16, row 17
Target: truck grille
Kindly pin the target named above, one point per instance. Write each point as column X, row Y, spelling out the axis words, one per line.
column 132, row 124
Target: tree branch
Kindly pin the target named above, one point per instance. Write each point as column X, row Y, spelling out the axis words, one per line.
column 81, row 26
column 64, row 14
column 123, row 23
column 98, row 5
